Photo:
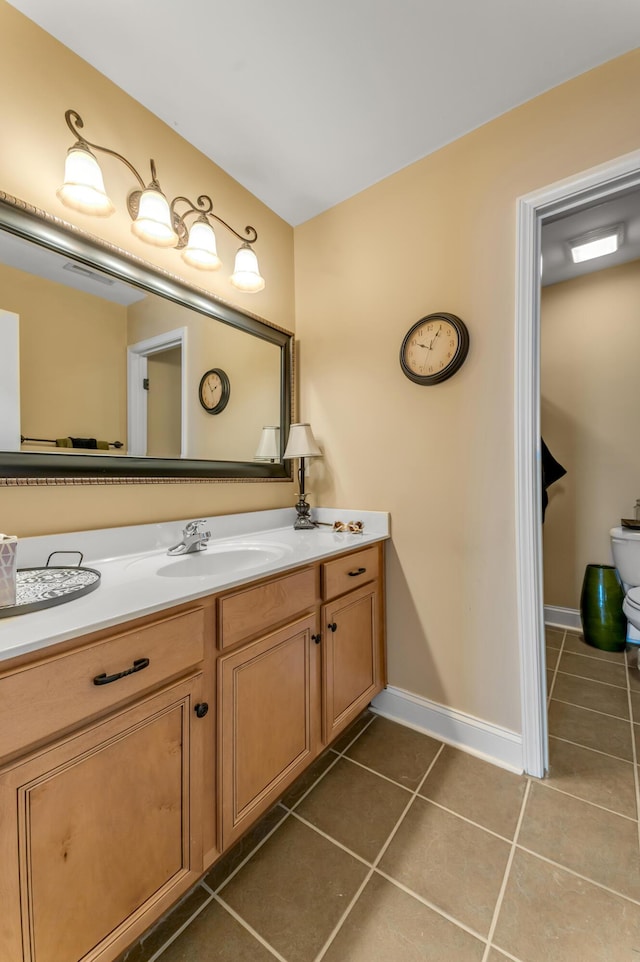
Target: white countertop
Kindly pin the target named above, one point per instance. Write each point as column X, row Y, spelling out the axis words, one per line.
column 138, row 577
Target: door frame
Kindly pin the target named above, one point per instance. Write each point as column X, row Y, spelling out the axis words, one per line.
column 137, row 355
column 597, row 184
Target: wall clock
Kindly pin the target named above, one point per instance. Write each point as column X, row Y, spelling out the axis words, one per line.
column 214, row 390
column 434, row 348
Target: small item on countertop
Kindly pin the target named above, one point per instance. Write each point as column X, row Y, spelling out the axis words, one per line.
column 8, row 548
column 355, row 527
column 630, row 523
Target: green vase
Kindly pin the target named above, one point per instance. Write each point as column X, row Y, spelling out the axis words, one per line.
column 603, row 622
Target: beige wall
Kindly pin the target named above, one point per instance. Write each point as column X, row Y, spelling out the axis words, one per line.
column 590, row 400
column 72, row 357
column 440, row 235
column 251, row 364
column 45, row 79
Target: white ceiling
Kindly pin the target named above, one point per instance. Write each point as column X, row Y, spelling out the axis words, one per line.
column 306, row 103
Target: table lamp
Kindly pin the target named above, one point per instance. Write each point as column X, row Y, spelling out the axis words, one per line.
column 302, row 444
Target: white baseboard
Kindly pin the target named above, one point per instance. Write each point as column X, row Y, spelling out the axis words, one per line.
column 497, row 745
column 564, row 617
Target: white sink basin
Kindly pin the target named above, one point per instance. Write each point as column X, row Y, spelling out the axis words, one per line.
column 216, row 559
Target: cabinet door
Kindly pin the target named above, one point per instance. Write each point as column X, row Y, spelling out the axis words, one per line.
column 268, row 721
column 352, row 651
column 100, row 832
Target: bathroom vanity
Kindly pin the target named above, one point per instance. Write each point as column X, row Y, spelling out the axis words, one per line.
column 138, row 743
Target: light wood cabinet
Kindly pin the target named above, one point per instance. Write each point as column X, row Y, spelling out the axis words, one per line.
column 353, row 662
column 268, row 695
column 115, row 798
column 100, row 832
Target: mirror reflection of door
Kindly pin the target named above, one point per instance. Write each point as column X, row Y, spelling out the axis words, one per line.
column 164, row 404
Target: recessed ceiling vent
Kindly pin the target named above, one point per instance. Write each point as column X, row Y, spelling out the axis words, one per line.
column 88, row 274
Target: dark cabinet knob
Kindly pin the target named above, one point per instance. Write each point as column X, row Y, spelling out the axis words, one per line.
column 316, row 638
column 201, row 709
column 332, row 626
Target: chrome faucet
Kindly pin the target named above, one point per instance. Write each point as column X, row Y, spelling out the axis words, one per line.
column 193, row 539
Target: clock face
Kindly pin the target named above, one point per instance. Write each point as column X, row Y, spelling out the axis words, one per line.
column 214, row 391
column 434, row 348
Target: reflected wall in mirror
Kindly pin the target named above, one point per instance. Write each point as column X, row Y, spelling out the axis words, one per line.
column 110, row 354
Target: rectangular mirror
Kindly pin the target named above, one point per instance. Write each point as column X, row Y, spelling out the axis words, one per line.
column 112, row 367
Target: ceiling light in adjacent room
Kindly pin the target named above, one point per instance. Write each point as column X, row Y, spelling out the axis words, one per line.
column 596, row 244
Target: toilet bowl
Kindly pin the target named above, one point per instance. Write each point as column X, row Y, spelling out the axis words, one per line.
column 625, row 545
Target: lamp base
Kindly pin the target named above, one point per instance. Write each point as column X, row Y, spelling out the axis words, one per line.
column 303, row 522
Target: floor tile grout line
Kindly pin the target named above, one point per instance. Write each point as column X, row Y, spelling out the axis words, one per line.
column 335, row 761
column 245, row 925
column 172, row 938
column 469, row 821
column 555, row 673
column 596, row 681
column 605, row 661
column 584, row 878
column 598, row 751
column 345, row 914
column 334, row 841
column 244, row 861
column 633, row 746
column 353, row 761
column 594, row 710
column 503, row 888
column 430, row 905
column 561, row 791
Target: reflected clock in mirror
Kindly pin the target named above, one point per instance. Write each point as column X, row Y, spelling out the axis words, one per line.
column 100, row 346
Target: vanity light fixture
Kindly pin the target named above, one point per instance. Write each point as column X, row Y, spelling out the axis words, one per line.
column 596, row 243
column 155, row 219
column 269, row 444
column 302, row 444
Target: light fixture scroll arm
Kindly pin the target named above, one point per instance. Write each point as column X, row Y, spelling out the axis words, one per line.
column 204, row 207
column 72, row 118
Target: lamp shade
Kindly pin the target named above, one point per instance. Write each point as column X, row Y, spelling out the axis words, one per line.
column 153, row 223
column 301, row 443
column 83, row 187
column 246, row 273
column 269, row 445
column 201, row 251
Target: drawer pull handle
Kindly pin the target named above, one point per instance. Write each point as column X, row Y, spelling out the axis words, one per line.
column 201, row 709
column 316, row 638
column 358, row 571
column 332, row 626
column 105, row 679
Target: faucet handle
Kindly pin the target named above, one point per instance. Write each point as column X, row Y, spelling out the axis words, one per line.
column 194, row 526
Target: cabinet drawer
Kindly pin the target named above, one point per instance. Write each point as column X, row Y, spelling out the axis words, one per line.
column 254, row 611
column 42, row 699
column 345, row 574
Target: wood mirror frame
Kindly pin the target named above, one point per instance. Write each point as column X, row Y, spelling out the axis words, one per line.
column 39, row 227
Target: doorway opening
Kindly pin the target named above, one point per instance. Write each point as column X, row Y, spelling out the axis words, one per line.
column 591, row 187
column 157, row 396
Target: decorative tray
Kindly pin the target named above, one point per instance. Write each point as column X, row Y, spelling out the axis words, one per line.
column 630, row 523
column 44, row 587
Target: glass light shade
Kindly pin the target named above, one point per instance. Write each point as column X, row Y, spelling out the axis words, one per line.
column 246, row 273
column 83, row 187
column 594, row 248
column 153, row 223
column 269, row 445
column 301, row 443
column 201, row 250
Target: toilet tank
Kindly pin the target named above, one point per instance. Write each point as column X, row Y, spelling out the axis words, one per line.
column 625, row 545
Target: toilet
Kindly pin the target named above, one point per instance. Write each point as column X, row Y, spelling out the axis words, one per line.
column 625, row 544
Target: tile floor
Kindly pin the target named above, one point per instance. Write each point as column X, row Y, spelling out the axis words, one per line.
column 396, row 847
